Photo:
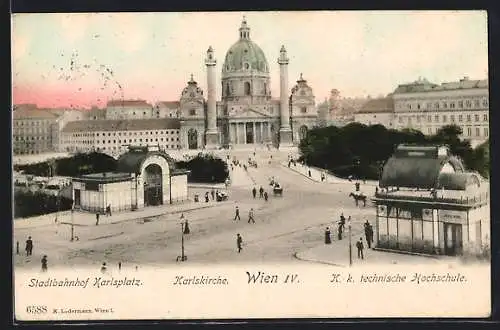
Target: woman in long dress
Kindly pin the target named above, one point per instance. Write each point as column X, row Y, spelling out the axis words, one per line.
column 328, row 239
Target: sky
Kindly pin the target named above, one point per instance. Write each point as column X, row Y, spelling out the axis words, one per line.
column 83, row 59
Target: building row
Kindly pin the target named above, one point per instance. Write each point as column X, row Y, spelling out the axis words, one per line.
column 427, row 107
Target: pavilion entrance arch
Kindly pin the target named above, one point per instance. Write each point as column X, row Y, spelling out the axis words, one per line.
column 153, row 185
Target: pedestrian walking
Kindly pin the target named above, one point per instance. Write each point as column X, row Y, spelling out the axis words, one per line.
column 97, row 219
column 237, row 214
column 239, row 242
column 340, row 231
column 254, row 192
column 328, row 239
column 44, row 263
column 261, row 192
column 360, row 247
column 186, row 228
column 119, row 266
column 103, row 268
column 207, row 198
column 266, row 196
column 109, row 209
column 368, row 234
column 213, row 194
column 17, row 247
column 250, row 216
column 29, row 246
column 309, row 172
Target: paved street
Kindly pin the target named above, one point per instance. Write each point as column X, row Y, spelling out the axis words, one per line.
column 284, row 225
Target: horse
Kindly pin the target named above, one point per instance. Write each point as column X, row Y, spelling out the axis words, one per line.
column 358, row 197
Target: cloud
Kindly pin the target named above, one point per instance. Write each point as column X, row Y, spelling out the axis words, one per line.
column 20, row 45
column 73, row 27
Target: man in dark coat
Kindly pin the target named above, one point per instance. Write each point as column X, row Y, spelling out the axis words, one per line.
column 29, row 246
column 254, row 192
column 266, row 196
column 237, row 214
column 360, row 247
column 44, row 263
column 261, row 192
column 97, row 219
column 239, row 242
column 213, row 194
column 368, row 235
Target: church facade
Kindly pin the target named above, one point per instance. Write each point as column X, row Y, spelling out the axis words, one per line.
column 247, row 114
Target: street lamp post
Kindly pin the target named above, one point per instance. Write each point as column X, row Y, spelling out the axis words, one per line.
column 72, row 226
column 182, row 257
column 350, row 245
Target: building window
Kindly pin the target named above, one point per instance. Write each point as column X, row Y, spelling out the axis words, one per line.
column 303, row 109
column 436, row 118
column 247, row 88
column 478, row 131
column 485, row 117
column 468, row 103
column 486, row 131
column 418, row 119
column 445, row 105
column 485, row 103
column 428, row 105
column 460, row 117
column 429, row 118
column 400, row 119
column 469, row 131
column 476, row 117
column 445, row 119
column 418, row 106
column 468, row 117
column 409, row 106
column 452, row 105
column 460, row 104
column 192, row 112
column 429, row 130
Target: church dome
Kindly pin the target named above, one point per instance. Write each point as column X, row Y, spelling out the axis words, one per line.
column 245, row 55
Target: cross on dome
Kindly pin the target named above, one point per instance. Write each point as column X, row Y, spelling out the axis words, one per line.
column 244, row 29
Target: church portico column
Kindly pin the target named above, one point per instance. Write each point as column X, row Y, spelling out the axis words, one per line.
column 237, row 140
column 244, row 133
column 254, row 133
column 261, row 132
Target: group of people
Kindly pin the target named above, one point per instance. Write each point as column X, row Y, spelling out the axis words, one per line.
column 216, row 195
column 29, row 252
column 368, row 230
column 262, row 193
column 251, row 215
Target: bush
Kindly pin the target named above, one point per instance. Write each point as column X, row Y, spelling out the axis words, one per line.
column 205, row 169
column 28, row 203
column 360, row 150
column 77, row 165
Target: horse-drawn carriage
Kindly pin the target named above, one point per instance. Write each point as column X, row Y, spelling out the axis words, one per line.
column 221, row 196
column 277, row 189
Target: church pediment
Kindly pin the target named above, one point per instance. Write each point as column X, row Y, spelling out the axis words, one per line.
column 251, row 113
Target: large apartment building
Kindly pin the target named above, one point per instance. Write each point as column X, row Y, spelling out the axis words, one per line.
column 427, row 107
column 33, row 131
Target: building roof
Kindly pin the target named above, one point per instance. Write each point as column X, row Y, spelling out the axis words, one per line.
column 457, row 181
column 418, row 168
column 33, row 114
column 106, row 177
column 128, row 103
column 132, row 160
column 378, row 105
column 121, row 125
column 422, row 85
column 245, row 51
column 169, row 104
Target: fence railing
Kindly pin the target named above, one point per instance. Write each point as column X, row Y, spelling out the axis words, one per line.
column 466, row 199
